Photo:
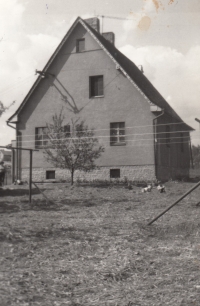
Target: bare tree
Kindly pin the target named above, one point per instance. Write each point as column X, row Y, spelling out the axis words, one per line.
column 4, row 108
column 74, row 150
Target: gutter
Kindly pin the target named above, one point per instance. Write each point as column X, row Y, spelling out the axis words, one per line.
column 155, row 140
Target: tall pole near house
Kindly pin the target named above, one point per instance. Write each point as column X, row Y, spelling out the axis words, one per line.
column 176, row 202
column 197, row 120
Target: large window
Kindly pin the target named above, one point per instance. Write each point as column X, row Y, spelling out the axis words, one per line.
column 96, row 86
column 117, row 134
column 80, row 45
column 41, row 137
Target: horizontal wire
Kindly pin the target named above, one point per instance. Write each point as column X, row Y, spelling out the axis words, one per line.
column 129, row 127
column 103, row 136
column 135, row 145
column 79, row 139
column 16, row 84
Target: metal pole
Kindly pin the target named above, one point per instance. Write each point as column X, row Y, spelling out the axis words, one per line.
column 183, row 196
column 30, row 176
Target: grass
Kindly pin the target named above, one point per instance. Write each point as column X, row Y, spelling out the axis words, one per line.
column 92, row 246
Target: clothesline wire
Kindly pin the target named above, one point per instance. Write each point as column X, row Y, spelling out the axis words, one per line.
column 134, row 145
column 81, row 138
column 129, row 127
column 104, row 136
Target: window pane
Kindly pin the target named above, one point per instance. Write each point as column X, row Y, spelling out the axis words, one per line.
column 114, row 173
column 67, row 131
column 41, row 137
column 80, row 45
column 96, row 86
column 121, row 139
column 50, row 174
column 117, row 133
column 100, row 86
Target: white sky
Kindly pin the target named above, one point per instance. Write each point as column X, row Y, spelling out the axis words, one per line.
column 162, row 35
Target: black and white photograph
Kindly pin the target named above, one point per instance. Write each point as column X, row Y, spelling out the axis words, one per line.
column 99, row 153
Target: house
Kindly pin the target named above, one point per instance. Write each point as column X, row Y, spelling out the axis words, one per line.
column 143, row 136
column 6, row 158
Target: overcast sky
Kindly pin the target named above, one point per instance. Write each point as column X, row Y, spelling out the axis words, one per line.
column 161, row 35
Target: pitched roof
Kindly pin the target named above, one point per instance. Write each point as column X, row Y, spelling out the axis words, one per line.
column 138, row 77
column 131, row 70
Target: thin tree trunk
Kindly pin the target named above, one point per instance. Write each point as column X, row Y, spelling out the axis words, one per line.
column 72, row 177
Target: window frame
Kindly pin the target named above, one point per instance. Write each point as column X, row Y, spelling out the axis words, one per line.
column 115, row 173
column 67, row 130
column 115, row 133
column 78, row 49
column 50, row 172
column 93, row 84
column 44, row 141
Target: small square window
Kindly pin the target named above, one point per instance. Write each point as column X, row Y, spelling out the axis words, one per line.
column 50, row 174
column 96, row 86
column 80, row 45
column 117, row 134
column 114, row 173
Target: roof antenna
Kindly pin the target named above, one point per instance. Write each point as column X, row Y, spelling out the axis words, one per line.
column 41, row 73
column 141, row 68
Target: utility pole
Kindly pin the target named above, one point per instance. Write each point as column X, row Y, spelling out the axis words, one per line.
column 196, row 119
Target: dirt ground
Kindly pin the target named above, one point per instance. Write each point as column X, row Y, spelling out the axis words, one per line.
column 91, row 245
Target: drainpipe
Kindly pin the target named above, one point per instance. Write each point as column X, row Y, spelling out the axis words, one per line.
column 155, row 139
column 13, row 152
column 191, row 155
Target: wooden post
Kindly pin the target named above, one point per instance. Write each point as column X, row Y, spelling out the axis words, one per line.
column 42, row 192
column 183, row 196
column 30, row 176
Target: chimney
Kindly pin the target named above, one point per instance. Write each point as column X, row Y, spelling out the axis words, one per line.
column 110, row 36
column 94, row 23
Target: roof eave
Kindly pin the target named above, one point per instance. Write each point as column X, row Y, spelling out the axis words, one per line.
column 36, row 83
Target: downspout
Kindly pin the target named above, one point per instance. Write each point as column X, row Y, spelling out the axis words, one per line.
column 191, row 155
column 155, row 140
column 13, row 152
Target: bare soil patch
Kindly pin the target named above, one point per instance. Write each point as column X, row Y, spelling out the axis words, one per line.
column 91, row 246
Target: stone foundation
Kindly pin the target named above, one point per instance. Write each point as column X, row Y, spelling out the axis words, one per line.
column 131, row 173
column 166, row 173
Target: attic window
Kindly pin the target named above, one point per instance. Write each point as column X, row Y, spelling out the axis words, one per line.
column 80, row 45
column 96, row 86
